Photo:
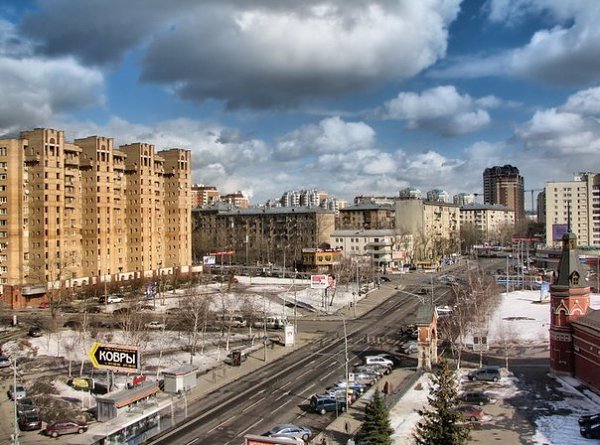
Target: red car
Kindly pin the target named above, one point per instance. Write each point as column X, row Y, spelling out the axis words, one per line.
column 30, row 421
column 470, row 413
column 60, row 427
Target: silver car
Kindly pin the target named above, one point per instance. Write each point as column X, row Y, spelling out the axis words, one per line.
column 290, row 430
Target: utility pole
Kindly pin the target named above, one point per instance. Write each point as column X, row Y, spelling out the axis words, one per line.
column 346, row 357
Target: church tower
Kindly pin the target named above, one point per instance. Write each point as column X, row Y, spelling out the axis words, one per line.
column 569, row 299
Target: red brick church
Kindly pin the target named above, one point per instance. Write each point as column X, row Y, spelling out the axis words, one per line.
column 574, row 327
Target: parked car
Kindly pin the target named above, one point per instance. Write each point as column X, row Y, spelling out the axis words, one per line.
column 35, row 331
column 340, row 393
column 476, row 397
column 230, row 360
column 379, row 370
column 590, row 431
column 378, row 360
column 324, row 403
column 4, row 361
column 73, row 324
column 470, row 413
column 30, row 421
column 112, row 298
column 355, row 387
column 385, row 279
column 589, row 419
column 26, row 405
column 364, row 377
column 61, row 427
column 16, row 393
column 154, row 325
column 487, row 373
column 410, row 347
column 289, row 430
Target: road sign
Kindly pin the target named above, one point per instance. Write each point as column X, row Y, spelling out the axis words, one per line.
column 115, row 357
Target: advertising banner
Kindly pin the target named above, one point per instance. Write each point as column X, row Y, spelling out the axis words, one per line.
column 558, row 230
column 209, row 260
column 318, row 282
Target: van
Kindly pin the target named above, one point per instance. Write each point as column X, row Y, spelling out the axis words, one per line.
column 378, row 360
column 487, row 373
column 272, row 322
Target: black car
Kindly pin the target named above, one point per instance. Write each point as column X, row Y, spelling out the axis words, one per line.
column 590, row 431
column 30, row 421
column 35, row 331
column 385, row 279
column 325, row 403
column 590, row 419
column 476, row 398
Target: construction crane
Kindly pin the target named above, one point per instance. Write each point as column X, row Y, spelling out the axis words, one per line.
column 532, row 201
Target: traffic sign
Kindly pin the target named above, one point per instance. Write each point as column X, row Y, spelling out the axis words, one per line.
column 115, row 357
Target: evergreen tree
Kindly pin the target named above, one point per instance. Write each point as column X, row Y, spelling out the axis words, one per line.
column 441, row 423
column 376, row 428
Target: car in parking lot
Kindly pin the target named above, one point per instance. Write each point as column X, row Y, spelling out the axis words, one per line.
column 26, row 405
column 590, row 431
column 112, row 298
column 30, row 421
column 364, row 377
column 487, row 373
column 60, row 427
column 35, row 331
column 355, row 387
column 589, row 419
column 385, row 279
column 378, row 370
column 378, row 360
column 289, row 430
column 16, row 393
column 4, row 361
column 470, row 413
column 324, row 403
column 476, row 397
column 154, row 325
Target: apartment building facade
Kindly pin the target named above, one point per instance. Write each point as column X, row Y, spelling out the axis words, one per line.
column 84, row 212
column 575, row 202
column 490, row 220
column 434, row 228
column 204, row 195
column 261, row 235
column 384, row 249
column 368, row 216
column 505, row 186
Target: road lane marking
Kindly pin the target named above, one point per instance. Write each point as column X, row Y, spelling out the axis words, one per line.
column 307, row 388
column 280, row 406
column 323, row 377
column 255, row 403
column 256, row 394
column 249, row 428
column 283, row 395
column 219, row 425
column 193, row 441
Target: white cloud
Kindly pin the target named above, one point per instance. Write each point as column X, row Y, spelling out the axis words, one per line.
column 584, row 102
column 34, row 89
column 441, row 109
column 330, row 135
column 567, row 53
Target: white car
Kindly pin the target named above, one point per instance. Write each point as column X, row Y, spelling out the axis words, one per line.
column 115, row 298
column 378, row 360
column 155, row 325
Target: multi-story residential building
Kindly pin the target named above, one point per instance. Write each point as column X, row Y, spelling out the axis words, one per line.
column 391, row 200
column 410, row 193
column 236, row 199
column 463, row 199
column 382, row 248
column 85, row 212
column 505, row 186
column 438, row 195
column 576, row 202
column 492, row 221
column 541, row 207
column 204, row 195
column 261, row 235
column 433, row 226
column 366, row 216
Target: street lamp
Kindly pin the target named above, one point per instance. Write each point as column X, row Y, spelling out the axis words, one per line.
column 15, row 435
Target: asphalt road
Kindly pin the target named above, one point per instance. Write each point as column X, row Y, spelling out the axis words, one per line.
column 279, row 392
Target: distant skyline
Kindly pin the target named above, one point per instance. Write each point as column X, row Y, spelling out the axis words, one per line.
column 353, row 97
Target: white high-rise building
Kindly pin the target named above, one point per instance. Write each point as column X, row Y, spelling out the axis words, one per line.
column 575, row 203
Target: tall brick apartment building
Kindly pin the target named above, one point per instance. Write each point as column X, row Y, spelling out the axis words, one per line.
column 85, row 212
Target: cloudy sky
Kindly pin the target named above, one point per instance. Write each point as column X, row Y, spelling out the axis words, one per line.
column 347, row 96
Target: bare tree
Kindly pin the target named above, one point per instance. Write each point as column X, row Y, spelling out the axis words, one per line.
column 195, row 310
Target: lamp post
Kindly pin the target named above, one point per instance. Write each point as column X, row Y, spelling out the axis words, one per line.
column 15, row 438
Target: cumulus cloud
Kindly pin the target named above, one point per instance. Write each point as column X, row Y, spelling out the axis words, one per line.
column 251, row 53
column 34, row 89
column 584, row 102
column 441, row 109
column 331, row 135
column 568, row 53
